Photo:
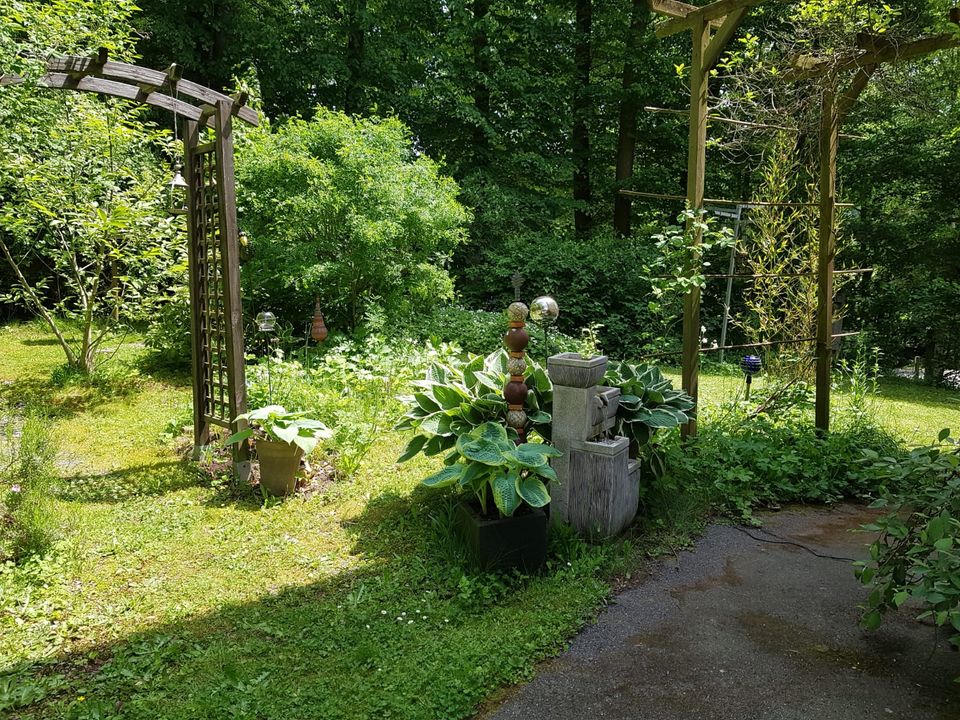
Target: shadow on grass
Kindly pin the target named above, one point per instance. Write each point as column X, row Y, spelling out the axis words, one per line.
column 905, row 390
column 126, row 483
column 384, row 638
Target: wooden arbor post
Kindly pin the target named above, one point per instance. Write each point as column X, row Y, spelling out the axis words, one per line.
column 219, row 387
column 835, row 105
column 723, row 16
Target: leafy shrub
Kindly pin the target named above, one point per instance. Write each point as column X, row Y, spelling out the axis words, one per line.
column 168, row 334
column 477, row 331
column 744, row 463
column 26, row 516
column 490, row 463
column 917, row 554
column 343, row 209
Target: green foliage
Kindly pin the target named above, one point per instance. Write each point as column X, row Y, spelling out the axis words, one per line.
column 168, row 334
column 458, row 396
column 274, row 422
column 343, row 209
column 649, row 406
column 27, row 474
column 917, row 554
column 768, row 460
column 489, row 463
column 84, row 231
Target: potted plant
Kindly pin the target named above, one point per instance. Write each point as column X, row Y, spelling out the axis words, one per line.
column 581, row 369
column 505, row 528
column 281, row 440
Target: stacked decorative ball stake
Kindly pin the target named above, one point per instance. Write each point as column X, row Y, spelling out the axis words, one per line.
column 515, row 391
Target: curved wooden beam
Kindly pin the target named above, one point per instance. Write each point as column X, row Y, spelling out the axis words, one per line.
column 126, row 73
column 91, row 84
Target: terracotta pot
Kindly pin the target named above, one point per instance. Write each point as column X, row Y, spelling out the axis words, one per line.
column 279, row 464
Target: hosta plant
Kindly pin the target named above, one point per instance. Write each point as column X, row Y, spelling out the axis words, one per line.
column 649, row 404
column 456, row 397
column 492, row 466
column 274, row 422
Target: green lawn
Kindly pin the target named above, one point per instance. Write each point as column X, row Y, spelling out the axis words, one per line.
column 170, row 595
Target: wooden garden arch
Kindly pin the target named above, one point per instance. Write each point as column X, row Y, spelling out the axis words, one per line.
column 216, row 319
column 712, row 27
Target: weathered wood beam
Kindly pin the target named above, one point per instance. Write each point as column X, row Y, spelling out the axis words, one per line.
column 696, row 167
column 712, row 14
column 124, row 72
column 678, row 24
column 671, row 8
column 723, row 37
column 848, row 97
column 826, row 253
column 88, row 83
column 806, row 67
column 6, row 80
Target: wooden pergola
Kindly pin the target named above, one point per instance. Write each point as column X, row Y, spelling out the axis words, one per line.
column 712, row 27
column 216, row 321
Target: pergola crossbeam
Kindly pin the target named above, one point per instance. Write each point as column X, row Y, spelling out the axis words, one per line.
column 683, row 17
column 146, row 78
column 808, row 67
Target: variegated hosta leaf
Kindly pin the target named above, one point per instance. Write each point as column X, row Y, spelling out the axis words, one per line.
column 505, row 495
column 413, row 448
column 447, row 476
column 533, row 491
column 531, row 455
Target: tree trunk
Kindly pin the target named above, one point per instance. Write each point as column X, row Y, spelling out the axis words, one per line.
column 356, row 21
column 582, row 110
column 629, row 107
column 481, row 82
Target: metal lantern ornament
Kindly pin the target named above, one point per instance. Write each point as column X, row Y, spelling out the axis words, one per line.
column 177, row 192
column 318, row 329
column 750, row 365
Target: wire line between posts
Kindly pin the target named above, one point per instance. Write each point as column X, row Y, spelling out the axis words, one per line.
column 768, row 343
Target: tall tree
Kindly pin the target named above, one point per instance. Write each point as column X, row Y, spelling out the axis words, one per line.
column 356, row 19
column 582, row 112
column 629, row 107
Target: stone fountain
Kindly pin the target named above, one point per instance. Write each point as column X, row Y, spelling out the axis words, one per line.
column 598, row 491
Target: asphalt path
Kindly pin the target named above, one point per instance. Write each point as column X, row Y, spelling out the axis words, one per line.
column 751, row 624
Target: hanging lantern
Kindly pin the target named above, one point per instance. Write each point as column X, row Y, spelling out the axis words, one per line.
column 318, row 330
column 177, row 192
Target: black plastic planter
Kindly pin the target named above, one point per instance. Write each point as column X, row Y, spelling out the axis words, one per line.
column 503, row 544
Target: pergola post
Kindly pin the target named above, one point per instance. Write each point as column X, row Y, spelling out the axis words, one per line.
column 696, row 166
column 725, row 16
column 829, row 139
column 230, row 254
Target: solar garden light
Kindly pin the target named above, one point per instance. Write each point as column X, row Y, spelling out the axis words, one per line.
column 266, row 324
column 750, row 365
column 544, row 311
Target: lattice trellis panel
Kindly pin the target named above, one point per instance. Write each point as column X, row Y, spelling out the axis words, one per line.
column 207, row 249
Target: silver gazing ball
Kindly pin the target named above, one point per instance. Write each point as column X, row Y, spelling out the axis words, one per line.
column 517, row 312
column 266, row 321
column 544, row 310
